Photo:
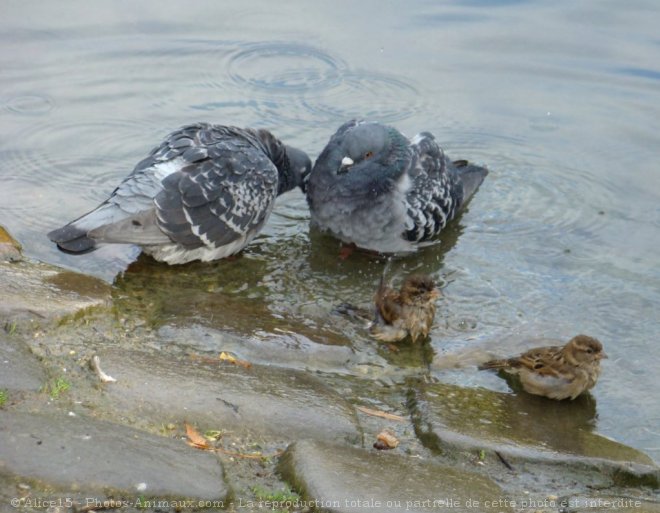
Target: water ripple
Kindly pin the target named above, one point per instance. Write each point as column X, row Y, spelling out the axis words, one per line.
column 30, row 105
column 284, row 67
column 365, row 94
column 84, row 162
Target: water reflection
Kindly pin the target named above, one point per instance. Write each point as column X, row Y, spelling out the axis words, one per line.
column 561, row 237
column 524, row 420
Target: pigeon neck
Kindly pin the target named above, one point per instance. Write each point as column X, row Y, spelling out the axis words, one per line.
column 286, row 180
column 400, row 152
column 276, row 152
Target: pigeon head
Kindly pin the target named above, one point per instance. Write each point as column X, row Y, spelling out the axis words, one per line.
column 362, row 143
column 299, row 166
column 361, row 161
column 369, row 145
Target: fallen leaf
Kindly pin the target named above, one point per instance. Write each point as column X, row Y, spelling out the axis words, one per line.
column 387, row 439
column 195, row 439
column 226, row 357
column 381, row 414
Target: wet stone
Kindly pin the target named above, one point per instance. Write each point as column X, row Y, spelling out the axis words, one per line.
column 79, row 453
column 31, row 289
column 10, row 249
column 259, row 400
column 290, row 350
column 523, row 427
column 19, row 369
column 628, row 504
column 348, row 479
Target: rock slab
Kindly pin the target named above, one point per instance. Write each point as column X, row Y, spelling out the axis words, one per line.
column 31, row 289
column 524, row 428
column 259, row 400
column 350, row 480
column 19, row 369
column 80, row 453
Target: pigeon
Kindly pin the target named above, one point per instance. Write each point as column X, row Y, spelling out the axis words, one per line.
column 203, row 194
column 374, row 188
column 556, row 372
column 406, row 312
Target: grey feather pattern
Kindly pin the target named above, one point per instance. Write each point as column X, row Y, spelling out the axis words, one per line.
column 203, row 193
column 373, row 187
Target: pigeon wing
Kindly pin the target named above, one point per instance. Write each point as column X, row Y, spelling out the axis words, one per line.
column 219, row 197
column 430, row 203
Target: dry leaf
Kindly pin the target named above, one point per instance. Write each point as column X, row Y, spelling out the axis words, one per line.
column 195, row 439
column 387, row 440
column 226, row 357
column 381, row 414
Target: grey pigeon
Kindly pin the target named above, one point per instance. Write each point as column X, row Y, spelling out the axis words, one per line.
column 373, row 187
column 204, row 193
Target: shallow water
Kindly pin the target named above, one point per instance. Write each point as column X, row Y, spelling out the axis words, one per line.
column 561, row 101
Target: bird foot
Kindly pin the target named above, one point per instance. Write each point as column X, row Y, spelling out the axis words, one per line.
column 346, row 250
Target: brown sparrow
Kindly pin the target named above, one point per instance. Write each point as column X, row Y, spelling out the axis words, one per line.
column 556, row 372
column 409, row 311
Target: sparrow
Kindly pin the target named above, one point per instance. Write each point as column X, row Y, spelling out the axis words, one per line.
column 373, row 187
column 202, row 194
column 556, row 372
column 405, row 312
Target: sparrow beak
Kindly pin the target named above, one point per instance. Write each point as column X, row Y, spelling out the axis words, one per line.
column 602, row 355
column 346, row 163
column 435, row 294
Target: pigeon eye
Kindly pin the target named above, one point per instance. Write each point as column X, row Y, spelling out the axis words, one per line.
column 369, row 154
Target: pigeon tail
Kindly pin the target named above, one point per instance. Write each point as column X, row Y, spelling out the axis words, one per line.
column 75, row 236
column 72, row 239
column 470, row 177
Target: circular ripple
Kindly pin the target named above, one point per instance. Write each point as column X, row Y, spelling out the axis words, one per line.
column 368, row 95
column 77, row 166
column 30, row 105
column 284, row 67
column 540, row 207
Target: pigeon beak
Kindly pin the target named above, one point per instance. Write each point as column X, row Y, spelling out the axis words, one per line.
column 346, row 163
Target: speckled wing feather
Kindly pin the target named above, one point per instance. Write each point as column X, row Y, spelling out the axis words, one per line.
column 542, row 361
column 430, row 200
column 203, row 195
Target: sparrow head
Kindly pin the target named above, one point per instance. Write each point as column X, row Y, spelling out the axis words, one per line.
column 583, row 349
column 419, row 288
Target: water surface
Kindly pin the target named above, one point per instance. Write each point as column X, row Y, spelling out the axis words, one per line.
column 560, row 100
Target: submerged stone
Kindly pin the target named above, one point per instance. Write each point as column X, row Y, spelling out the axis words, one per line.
column 39, row 290
column 333, row 478
column 79, row 453
column 523, row 427
column 258, row 400
column 10, row 249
